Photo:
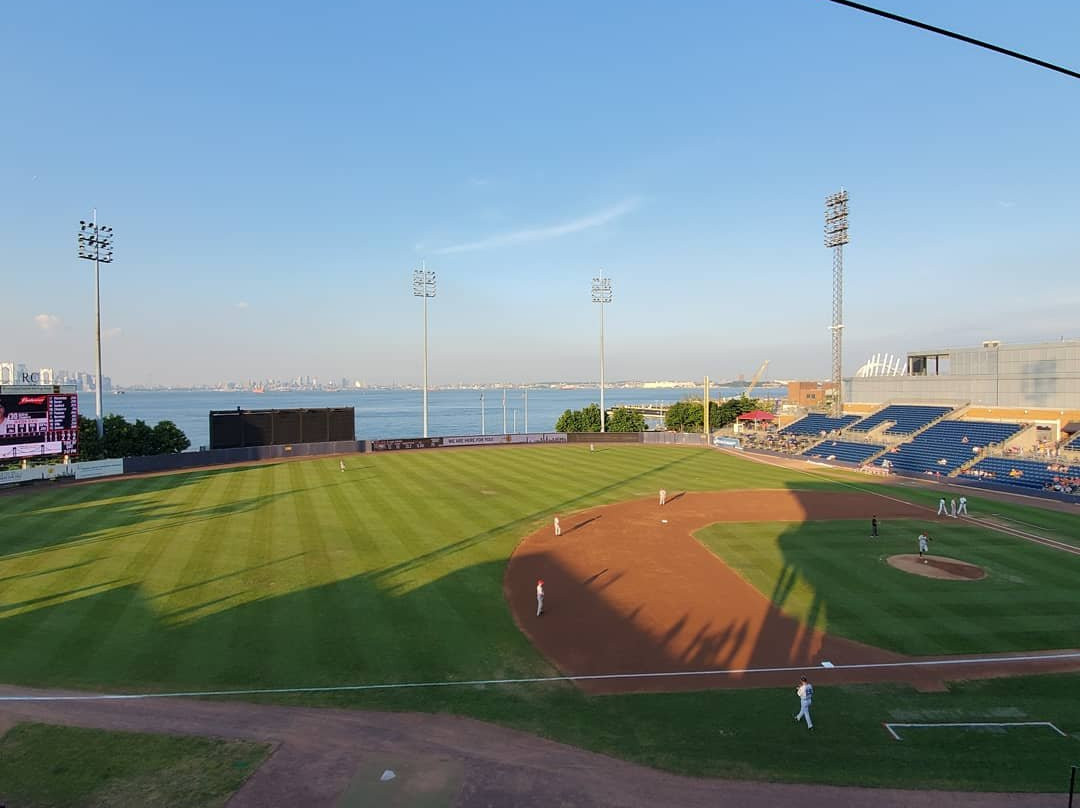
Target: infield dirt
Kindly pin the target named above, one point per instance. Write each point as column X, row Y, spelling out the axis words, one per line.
column 629, row 593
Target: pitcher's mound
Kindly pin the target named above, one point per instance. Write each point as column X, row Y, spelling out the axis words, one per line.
column 948, row 569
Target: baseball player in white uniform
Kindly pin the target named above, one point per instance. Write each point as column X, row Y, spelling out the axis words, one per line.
column 963, row 506
column 342, row 464
column 539, row 597
column 558, row 527
column 941, row 509
column 924, row 545
column 663, row 496
column 805, row 692
column 953, row 502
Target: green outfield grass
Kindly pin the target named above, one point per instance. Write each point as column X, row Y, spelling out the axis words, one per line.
column 295, row 574
column 833, row 576
column 43, row 766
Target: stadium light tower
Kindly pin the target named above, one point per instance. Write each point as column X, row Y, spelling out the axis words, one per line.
column 601, row 293
column 423, row 285
column 96, row 244
column 836, row 236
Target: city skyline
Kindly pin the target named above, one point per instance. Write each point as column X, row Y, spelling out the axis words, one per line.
column 269, row 211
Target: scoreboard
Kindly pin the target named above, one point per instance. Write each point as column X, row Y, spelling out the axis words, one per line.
column 38, row 424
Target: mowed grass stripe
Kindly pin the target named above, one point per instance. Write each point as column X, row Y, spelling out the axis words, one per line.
column 330, row 599
column 162, row 572
column 66, row 633
column 199, row 607
column 434, row 619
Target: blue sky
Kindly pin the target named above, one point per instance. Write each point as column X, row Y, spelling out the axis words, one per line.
column 274, row 174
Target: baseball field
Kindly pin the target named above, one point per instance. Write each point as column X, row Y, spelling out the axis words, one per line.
column 420, row 568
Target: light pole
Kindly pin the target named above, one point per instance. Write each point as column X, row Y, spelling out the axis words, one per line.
column 483, row 414
column 423, row 285
column 601, row 293
column 96, row 244
column 525, row 405
column 504, row 411
column 836, row 236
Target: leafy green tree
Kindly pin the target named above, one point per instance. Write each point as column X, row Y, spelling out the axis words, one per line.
column 90, row 446
column 624, row 419
column 685, row 416
column 586, row 419
column 730, row 410
column 167, row 438
column 124, row 439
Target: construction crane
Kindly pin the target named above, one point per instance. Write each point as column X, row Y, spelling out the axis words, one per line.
column 757, row 377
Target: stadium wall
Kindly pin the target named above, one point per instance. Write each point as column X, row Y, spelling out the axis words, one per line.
column 994, row 375
column 218, row 457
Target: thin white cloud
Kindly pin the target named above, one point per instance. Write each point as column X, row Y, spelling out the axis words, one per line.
column 46, row 322
column 597, row 219
column 479, row 182
column 112, row 333
column 1005, row 204
column 243, row 304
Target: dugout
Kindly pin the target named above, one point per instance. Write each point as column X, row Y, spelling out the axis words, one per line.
column 240, row 428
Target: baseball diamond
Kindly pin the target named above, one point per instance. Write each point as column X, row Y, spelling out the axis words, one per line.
column 421, row 568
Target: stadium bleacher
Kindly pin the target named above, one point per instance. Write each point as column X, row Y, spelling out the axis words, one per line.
column 1032, row 474
column 1074, row 444
column 816, row 423
column 947, row 445
column 908, row 417
column 843, row 450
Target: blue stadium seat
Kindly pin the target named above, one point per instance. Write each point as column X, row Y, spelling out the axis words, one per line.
column 1074, row 444
column 842, row 450
column 1031, row 474
column 947, row 445
column 816, row 423
column 908, row 417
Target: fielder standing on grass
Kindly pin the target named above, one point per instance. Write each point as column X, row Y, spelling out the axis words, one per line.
column 342, row 464
column 805, row 692
column 963, row 507
column 873, row 527
column 941, row 509
column 539, row 597
column 953, row 508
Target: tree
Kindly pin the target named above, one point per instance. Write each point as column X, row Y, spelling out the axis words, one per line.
column 731, row 409
column 167, row 438
column 90, row 447
column 685, row 416
column 586, row 419
column 124, row 439
column 624, row 419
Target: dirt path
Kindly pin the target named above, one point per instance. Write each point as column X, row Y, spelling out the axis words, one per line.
column 630, row 591
column 318, row 751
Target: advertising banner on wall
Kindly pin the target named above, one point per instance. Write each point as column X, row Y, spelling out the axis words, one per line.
column 466, row 440
column 13, row 476
column 89, row 469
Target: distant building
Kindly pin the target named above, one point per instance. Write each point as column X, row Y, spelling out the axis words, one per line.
column 809, row 394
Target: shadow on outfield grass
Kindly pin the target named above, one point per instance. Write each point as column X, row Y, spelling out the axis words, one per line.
column 142, row 515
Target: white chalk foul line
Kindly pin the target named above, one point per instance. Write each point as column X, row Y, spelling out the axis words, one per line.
column 889, row 726
column 593, row 677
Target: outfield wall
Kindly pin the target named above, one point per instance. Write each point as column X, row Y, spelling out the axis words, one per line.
column 218, row 457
